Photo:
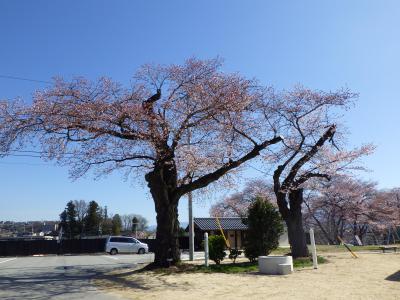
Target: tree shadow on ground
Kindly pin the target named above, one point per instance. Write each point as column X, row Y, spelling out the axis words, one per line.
column 394, row 277
column 123, row 279
column 68, row 282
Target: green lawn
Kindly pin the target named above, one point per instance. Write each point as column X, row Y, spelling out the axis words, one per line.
column 338, row 248
column 332, row 248
column 307, row 262
column 244, row 267
column 239, row 267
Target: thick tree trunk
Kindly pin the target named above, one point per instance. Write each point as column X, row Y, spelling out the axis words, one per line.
column 293, row 218
column 297, row 236
column 167, row 251
column 162, row 184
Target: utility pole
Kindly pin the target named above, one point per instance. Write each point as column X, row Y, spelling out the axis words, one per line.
column 190, row 204
column 191, row 229
column 136, row 226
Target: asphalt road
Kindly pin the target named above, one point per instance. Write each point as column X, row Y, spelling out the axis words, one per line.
column 60, row 277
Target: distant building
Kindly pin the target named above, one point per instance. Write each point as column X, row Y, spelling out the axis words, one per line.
column 233, row 227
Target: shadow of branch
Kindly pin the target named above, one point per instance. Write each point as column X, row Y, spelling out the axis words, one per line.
column 394, row 277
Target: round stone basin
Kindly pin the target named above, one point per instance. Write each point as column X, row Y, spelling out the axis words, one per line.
column 270, row 264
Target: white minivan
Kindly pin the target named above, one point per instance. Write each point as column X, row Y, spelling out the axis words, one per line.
column 124, row 244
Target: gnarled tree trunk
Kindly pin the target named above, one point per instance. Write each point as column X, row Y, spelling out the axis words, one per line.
column 294, row 221
column 297, row 236
column 162, row 184
column 167, row 250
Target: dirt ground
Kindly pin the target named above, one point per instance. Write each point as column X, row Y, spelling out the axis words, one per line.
column 371, row 276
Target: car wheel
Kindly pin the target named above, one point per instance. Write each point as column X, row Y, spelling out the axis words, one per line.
column 113, row 251
column 141, row 251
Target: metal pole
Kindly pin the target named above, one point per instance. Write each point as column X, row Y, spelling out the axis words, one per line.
column 206, row 249
column 191, row 229
column 136, row 226
column 313, row 249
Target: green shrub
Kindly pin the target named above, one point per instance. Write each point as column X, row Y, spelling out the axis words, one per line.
column 216, row 247
column 234, row 253
column 264, row 229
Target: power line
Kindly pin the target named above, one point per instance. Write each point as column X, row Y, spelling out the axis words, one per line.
column 20, row 155
column 263, row 172
column 29, row 153
column 23, row 163
column 24, row 79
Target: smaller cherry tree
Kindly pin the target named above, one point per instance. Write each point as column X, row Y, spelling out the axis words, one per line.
column 313, row 148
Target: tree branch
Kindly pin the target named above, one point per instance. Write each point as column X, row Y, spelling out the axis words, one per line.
column 208, row 178
column 305, row 177
column 289, row 180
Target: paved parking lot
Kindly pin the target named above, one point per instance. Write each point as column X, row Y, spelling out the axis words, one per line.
column 60, row 277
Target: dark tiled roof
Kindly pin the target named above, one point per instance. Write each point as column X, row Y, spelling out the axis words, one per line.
column 232, row 223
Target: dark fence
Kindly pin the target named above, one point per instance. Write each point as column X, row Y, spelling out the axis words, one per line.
column 73, row 246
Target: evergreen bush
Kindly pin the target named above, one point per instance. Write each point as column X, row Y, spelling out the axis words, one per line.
column 264, row 229
column 216, row 248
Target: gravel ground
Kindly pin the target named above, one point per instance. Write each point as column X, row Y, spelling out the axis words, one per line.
column 371, row 276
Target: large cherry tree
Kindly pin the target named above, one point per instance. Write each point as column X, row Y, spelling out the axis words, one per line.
column 182, row 127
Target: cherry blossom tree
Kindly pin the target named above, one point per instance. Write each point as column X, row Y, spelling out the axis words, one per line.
column 181, row 126
column 313, row 148
column 236, row 204
column 386, row 206
column 343, row 203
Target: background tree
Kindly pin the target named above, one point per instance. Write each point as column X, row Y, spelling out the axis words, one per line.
column 127, row 222
column 71, row 225
column 135, row 225
column 264, row 229
column 81, row 207
column 312, row 149
column 93, row 219
column 63, row 220
column 116, row 225
column 385, row 211
column 343, row 204
column 237, row 204
column 386, row 204
column 107, row 226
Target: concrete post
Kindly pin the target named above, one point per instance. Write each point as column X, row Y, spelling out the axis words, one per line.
column 191, row 229
column 206, row 249
column 313, row 249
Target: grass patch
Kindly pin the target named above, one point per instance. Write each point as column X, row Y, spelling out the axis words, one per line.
column 230, row 268
column 341, row 248
column 240, row 267
column 245, row 267
column 331, row 248
column 307, row 262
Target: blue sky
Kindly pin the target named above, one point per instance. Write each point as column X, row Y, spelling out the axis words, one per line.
column 320, row 44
